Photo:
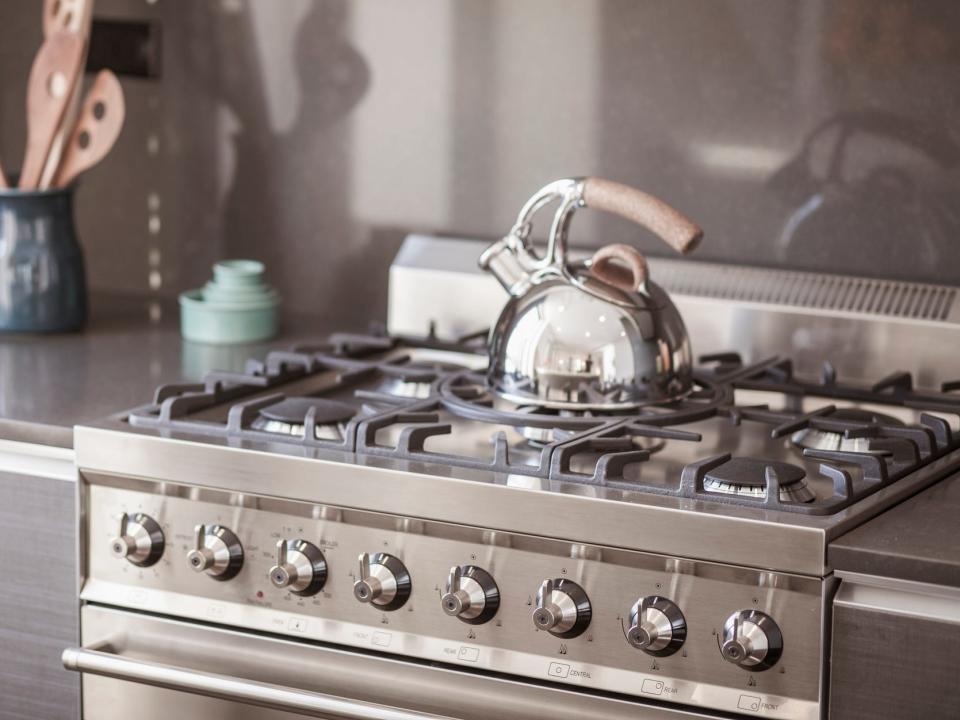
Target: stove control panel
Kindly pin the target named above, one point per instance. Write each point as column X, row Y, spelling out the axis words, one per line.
column 733, row 639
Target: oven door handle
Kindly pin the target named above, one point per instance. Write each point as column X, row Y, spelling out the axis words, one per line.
column 96, row 661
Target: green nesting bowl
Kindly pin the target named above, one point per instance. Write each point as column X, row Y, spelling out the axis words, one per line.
column 235, row 307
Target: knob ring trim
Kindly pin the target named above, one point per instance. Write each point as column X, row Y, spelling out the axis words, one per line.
column 156, row 540
column 491, row 595
column 402, row 576
column 678, row 623
column 234, row 548
column 580, row 600
column 768, row 627
column 318, row 566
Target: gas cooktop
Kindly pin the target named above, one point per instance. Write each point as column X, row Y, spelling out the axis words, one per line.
column 750, row 435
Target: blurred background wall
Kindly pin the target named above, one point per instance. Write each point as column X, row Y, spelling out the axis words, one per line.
column 314, row 134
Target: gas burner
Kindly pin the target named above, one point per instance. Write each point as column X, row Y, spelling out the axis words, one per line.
column 413, row 380
column 748, row 477
column 820, row 439
column 288, row 417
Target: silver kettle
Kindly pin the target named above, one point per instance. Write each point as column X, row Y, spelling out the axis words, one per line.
column 593, row 335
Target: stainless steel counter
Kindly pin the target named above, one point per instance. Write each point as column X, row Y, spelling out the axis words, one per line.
column 49, row 383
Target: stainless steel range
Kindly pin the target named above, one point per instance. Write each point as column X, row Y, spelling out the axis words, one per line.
column 366, row 528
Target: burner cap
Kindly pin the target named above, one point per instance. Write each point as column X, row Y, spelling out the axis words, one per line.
column 294, row 410
column 747, row 477
column 819, row 439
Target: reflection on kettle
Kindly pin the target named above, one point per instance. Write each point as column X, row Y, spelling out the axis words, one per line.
column 594, row 335
column 891, row 194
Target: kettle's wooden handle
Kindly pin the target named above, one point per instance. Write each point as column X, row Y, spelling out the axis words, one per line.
column 679, row 232
column 620, row 265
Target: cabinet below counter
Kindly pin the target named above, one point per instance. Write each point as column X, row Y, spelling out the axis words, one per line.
column 896, row 616
column 39, row 564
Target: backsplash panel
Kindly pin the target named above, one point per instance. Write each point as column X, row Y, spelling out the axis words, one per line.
column 315, row 135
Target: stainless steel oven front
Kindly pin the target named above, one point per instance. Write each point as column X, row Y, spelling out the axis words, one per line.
column 163, row 635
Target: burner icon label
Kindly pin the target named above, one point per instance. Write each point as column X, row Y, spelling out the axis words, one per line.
column 468, row 654
column 652, row 687
column 558, row 670
column 749, row 702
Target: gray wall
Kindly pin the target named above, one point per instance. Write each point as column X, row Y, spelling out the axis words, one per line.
column 314, row 135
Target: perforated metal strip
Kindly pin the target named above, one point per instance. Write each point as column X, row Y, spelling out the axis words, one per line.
column 809, row 290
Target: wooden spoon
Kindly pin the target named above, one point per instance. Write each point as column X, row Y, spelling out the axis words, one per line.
column 69, row 15
column 73, row 16
column 52, row 77
column 97, row 128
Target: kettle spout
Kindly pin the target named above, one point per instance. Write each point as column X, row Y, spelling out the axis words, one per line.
column 500, row 259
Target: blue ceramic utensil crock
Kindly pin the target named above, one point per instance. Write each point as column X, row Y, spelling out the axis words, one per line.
column 42, row 282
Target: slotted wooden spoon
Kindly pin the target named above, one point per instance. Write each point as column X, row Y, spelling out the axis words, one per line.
column 69, row 15
column 73, row 16
column 97, row 128
column 55, row 71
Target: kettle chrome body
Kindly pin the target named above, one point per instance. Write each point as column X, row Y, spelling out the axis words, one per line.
column 595, row 335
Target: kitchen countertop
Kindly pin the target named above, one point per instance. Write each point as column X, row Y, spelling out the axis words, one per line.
column 49, row 383
column 916, row 540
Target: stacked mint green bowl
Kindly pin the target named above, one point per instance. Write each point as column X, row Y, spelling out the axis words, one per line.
column 237, row 306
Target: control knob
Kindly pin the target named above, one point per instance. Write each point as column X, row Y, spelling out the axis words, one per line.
column 301, row 567
column 383, row 582
column 751, row 640
column 656, row 626
column 140, row 540
column 216, row 551
column 563, row 608
column 471, row 595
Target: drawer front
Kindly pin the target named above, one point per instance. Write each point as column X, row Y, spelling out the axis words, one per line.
column 891, row 662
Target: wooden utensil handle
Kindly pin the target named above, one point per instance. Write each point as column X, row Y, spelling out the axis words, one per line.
column 679, row 232
column 620, row 265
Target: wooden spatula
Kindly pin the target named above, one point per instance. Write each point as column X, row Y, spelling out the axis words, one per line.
column 97, row 128
column 55, row 71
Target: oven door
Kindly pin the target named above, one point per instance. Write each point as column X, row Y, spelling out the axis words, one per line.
column 155, row 668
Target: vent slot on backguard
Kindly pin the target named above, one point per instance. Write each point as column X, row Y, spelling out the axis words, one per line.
column 808, row 290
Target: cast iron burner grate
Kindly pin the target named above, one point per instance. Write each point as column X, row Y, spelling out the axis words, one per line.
column 377, row 380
